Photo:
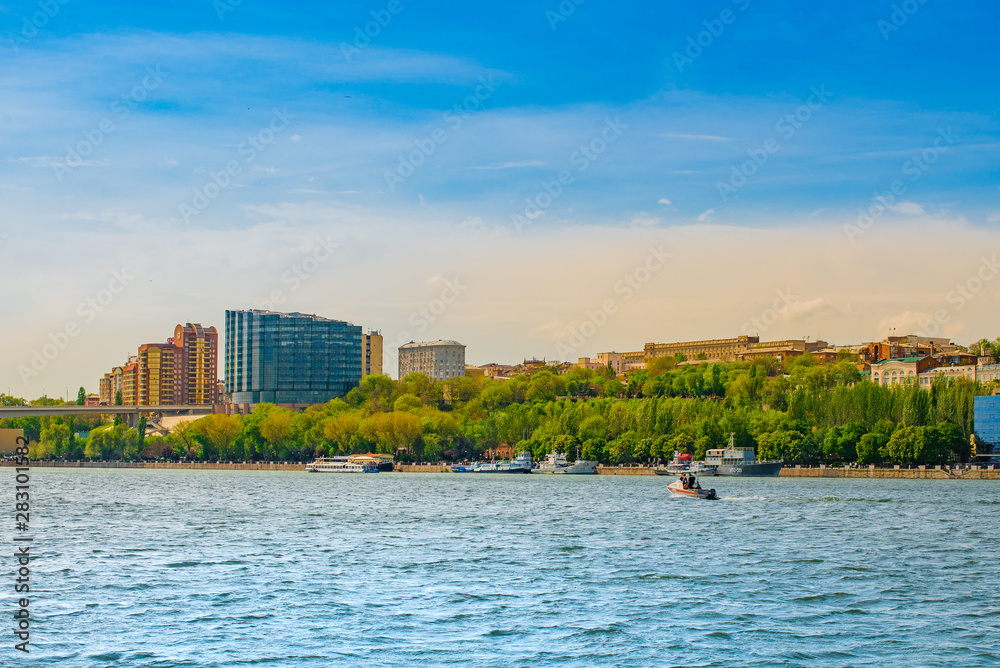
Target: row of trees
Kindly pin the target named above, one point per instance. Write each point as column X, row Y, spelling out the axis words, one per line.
column 798, row 411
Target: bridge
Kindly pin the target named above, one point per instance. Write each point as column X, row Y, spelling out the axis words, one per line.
column 131, row 413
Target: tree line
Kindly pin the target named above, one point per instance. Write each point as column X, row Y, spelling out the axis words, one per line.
column 799, row 411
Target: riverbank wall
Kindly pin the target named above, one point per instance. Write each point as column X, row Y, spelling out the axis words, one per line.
column 926, row 473
column 233, row 466
column 921, row 472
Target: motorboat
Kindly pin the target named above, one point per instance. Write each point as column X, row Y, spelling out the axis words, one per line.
column 689, row 487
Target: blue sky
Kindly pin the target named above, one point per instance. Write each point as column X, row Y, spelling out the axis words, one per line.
column 672, row 101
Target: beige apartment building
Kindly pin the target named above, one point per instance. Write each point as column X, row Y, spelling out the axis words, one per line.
column 440, row 360
column 372, row 342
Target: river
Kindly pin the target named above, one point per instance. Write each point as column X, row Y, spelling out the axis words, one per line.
column 229, row 568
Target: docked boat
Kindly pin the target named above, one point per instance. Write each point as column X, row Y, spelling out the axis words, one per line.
column 462, row 468
column 687, row 486
column 683, row 465
column 742, row 462
column 556, row 462
column 341, row 465
column 522, row 464
column 382, row 461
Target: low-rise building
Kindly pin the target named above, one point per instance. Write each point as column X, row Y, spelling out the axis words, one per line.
column 927, row 378
column 494, row 370
column 988, row 373
column 722, row 350
column 787, row 349
column 900, row 371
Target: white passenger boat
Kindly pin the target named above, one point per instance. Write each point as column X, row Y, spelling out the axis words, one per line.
column 341, row 465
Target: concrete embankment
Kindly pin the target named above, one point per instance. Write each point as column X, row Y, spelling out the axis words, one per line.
column 930, row 473
column 624, row 470
column 421, row 468
column 234, row 466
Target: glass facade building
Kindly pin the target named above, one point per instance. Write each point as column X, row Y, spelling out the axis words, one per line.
column 987, row 422
column 290, row 358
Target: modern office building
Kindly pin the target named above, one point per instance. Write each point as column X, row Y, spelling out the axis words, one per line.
column 372, row 353
column 987, row 425
column 440, row 360
column 290, row 358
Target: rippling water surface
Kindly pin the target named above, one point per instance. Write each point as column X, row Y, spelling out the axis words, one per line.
column 226, row 568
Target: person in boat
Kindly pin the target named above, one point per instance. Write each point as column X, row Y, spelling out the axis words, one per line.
column 684, row 481
column 694, row 483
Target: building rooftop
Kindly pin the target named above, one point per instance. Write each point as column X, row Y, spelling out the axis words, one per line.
column 431, row 344
column 906, row 360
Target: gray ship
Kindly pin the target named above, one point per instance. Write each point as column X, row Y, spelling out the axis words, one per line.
column 556, row 463
column 733, row 461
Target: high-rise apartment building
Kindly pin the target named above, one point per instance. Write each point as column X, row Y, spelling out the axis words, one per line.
column 372, row 353
column 159, row 375
column 111, row 385
column 130, row 382
column 290, row 358
column 440, row 360
column 182, row 371
column 199, row 363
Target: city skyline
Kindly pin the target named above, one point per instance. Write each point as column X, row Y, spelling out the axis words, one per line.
column 237, row 157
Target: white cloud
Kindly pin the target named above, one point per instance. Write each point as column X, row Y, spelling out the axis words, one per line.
column 512, row 165
column 644, row 221
column 706, row 216
column 993, row 218
column 296, row 138
column 679, row 135
column 908, row 209
column 474, row 223
column 664, row 201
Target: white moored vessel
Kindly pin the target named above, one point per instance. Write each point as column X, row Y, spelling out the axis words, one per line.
column 341, row 465
column 520, row 465
column 556, row 462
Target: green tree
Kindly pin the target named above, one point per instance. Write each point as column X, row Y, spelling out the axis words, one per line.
column 408, row 402
column 220, row 432
column 81, row 397
column 141, row 433
column 276, row 429
column 56, row 437
column 341, row 430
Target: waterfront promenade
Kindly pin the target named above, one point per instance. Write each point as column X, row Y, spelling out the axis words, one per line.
column 969, row 472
